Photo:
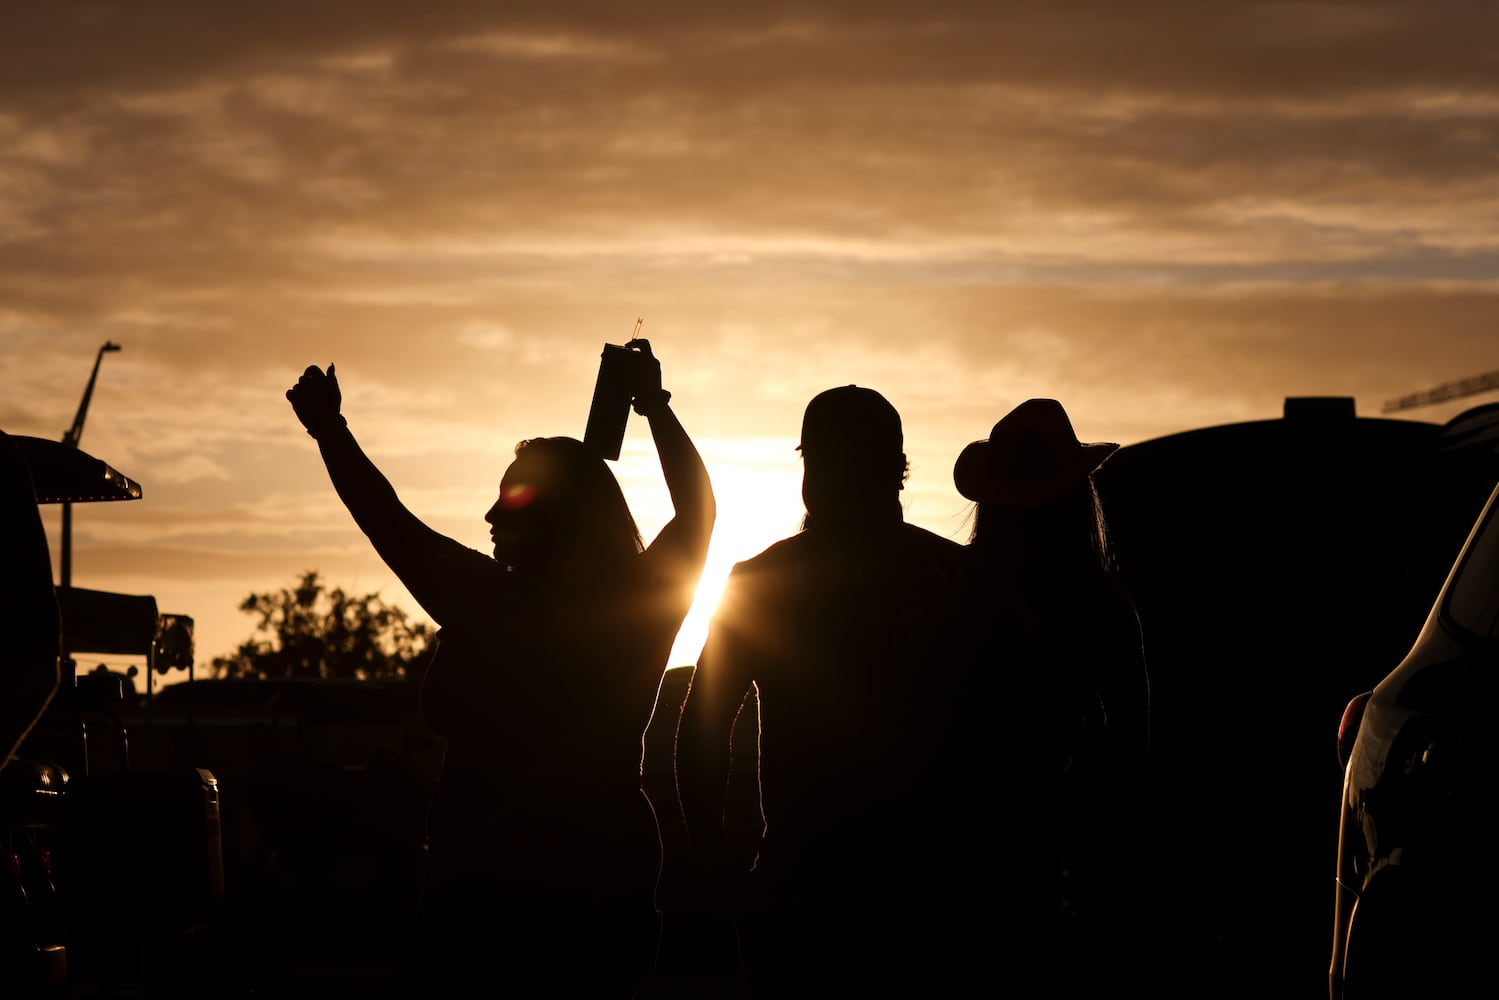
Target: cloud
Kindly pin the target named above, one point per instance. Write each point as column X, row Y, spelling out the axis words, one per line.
column 1168, row 215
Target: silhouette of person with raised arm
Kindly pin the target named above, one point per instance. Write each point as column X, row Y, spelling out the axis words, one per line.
column 1058, row 652
column 543, row 850
column 835, row 640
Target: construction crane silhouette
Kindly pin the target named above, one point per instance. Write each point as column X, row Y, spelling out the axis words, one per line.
column 1456, row 389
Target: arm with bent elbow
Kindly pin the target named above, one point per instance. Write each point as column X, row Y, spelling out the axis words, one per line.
column 681, row 549
column 442, row 574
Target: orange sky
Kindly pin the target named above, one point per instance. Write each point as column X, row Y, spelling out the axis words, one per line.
column 1166, row 214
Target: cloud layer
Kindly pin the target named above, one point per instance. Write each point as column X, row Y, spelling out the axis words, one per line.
column 1168, row 215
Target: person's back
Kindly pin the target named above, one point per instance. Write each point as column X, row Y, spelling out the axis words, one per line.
column 1054, row 639
column 845, row 637
column 842, row 633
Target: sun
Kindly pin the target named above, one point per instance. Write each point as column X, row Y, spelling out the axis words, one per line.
column 758, row 487
column 694, row 630
column 734, row 540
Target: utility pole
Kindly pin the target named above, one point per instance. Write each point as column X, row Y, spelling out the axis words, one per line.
column 71, row 440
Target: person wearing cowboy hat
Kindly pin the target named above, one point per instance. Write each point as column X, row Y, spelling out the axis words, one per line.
column 1056, row 646
column 1031, row 457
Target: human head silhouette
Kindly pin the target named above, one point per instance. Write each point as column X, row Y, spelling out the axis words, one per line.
column 561, row 510
column 1031, row 457
column 1032, row 486
column 853, row 458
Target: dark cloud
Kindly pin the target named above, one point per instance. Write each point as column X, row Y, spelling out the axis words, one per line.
column 1295, row 49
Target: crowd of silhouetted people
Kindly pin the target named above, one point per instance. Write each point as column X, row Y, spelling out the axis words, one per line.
column 897, row 762
column 894, row 758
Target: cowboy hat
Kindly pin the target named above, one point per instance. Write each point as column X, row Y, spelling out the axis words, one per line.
column 1031, row 457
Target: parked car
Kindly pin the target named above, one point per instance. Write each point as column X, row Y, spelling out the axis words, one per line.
column 111, row 874
column 1414, row 914
column 1279, row 568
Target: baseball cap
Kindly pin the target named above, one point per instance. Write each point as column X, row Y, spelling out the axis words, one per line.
column 851, row 418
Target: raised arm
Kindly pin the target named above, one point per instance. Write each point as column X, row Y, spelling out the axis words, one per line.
column 681, row 548
column 445, row 577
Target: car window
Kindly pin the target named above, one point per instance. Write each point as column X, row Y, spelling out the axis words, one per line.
column 1473, row 597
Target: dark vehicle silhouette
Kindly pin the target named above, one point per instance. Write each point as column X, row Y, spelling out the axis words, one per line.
column 1279, row 568
column 323, row 784
column 1414, row 914
column 112, row 875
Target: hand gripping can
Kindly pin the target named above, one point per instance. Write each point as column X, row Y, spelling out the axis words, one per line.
column 612, row 392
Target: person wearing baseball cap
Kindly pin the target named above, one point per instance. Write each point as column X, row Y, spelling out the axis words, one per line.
column 836, row 641
column 853, row 457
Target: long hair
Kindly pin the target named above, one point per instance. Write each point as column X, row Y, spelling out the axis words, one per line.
column 1069, row 533
column 579, row 525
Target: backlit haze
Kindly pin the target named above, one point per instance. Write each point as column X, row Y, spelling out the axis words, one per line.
column 1166, row 214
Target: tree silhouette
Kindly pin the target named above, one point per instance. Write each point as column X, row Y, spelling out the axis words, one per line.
column 313, row 631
